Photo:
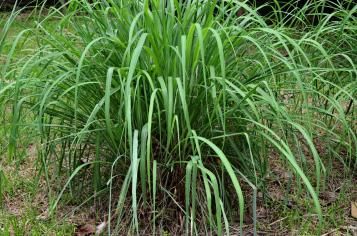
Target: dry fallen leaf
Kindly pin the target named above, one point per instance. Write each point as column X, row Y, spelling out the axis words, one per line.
column 354, row 209
column 262, row 212
column 43, row 215
column 85, row 230
column 100, row 228
column 328, row 198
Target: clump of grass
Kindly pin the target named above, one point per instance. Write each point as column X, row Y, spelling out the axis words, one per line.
column 5, row 24
column 181, row 102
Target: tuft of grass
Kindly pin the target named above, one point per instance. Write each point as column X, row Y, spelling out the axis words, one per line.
column 5, row 26
column 178, row 104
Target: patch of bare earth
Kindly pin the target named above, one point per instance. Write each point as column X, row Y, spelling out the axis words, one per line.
column 340, row 192
column 19, row 201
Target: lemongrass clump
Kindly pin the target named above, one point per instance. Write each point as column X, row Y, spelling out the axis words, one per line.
column 181, row 102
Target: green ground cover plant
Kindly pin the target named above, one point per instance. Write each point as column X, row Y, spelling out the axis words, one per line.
column 169, row 112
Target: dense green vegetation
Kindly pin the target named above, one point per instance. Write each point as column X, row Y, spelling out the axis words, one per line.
column 171, row 112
